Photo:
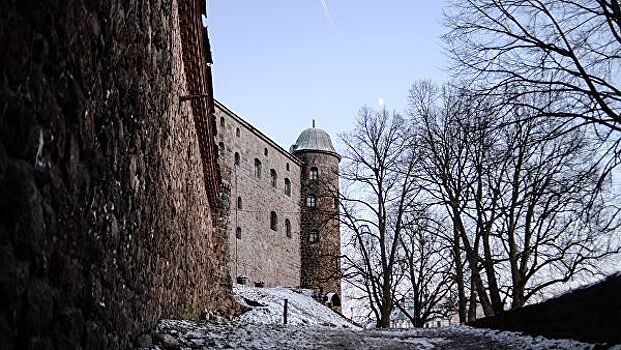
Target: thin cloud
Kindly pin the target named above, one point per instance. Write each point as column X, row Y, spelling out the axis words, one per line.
column 326, row 11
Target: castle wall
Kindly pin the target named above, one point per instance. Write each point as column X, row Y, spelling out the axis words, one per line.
column 321, row 260
column 105, row 222
column 261, row 254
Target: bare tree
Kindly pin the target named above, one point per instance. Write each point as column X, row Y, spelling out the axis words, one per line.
column 568, row 50
column 453, row 140
column 378, row 190
column 427, row 265
column 554, row 222
column 523, row 200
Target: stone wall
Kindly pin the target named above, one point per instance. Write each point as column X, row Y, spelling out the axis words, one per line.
column 590, row 314
column 261, row 254
column 105, row 221
column 321, row 260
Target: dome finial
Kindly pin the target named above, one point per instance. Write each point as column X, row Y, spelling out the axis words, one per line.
column 313, row 123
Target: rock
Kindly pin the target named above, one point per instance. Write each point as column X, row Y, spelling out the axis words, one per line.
column 144, row 341
column 167, row 341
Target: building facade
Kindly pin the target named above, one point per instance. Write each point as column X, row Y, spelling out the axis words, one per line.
column 283, row 225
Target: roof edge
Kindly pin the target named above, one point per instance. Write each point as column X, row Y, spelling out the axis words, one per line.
column 257, row 132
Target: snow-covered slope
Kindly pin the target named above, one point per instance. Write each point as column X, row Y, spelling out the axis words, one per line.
column 303, row 309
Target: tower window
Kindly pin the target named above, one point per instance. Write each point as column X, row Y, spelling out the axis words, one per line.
column 237, row 158
column 311, row 201
column 313, row 237
column 239, row 203
column 288, row 228
column 313, row 173
column 237, row 132
column 238, row 233
column 257, row 168
column 287, row 187
column 273, row 221
column 336, row 202
column 221, row 121
column 265, row 152
column 273, row 176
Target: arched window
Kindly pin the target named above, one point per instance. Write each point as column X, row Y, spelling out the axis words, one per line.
column 265, row 152
column 287, row 187
column 288, row 228
column 257, row 168
column 311, row 201
column 273, row 176
column 273, row 221
column 221, row 121
column 237, row 132
column 237, row 158
column 313, row 174
column 313, row 237
column 239, row 203
column 238, row 233
column 221, row 149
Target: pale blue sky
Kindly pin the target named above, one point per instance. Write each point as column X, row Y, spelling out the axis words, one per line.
column 280, row 63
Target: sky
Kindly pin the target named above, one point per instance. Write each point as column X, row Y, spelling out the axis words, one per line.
column 281, row 63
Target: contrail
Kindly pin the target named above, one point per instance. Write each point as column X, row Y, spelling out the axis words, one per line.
column 326, row 11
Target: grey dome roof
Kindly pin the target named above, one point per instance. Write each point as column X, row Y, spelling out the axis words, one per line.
column 313, row 139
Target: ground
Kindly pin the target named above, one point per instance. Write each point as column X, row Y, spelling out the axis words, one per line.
column 233, row 335
column 311, row 325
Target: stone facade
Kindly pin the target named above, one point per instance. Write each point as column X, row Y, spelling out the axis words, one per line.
column 261, row 254
column 321, row 256
column 258, row 253
column 107, row 173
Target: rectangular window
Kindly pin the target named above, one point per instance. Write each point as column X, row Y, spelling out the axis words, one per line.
column 313, row 237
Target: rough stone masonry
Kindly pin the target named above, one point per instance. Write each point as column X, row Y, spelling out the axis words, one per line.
column 107, row 192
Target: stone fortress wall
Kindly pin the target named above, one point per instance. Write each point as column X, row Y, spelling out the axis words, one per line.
column 107, row 185
column 258, row 252
column 309, row 258
column 321, row 255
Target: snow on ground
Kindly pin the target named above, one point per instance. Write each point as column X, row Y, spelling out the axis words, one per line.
column 314, row 326
column 522, row 341
column 303, row 309
column 227, row 335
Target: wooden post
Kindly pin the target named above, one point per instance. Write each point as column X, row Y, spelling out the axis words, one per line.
column 285, row 311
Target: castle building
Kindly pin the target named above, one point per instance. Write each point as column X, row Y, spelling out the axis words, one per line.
column 283, row 219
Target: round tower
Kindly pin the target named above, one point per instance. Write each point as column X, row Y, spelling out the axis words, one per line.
column 319, row 226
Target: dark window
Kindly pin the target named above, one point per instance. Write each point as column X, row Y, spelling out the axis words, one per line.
column 221, row 149
column 265, row 152
column 237, row 132
column 238, row 233
column 313, row 173
column 257, row 168
column 288, row 228
column 311, row 201
column 287, row 187
column 237, row 158
column 273, row 221
column 336, row 202
column 273, row 176
column 313, row 237
column 239, row 203
column 221, row 121
column 287, row 166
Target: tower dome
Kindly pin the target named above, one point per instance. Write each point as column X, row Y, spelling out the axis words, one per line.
column 314, row 139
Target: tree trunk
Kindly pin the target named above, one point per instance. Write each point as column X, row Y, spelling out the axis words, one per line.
column 472, row 307
column 459, row 279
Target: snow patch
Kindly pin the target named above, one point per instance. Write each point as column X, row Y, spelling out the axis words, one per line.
column 302, row 308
